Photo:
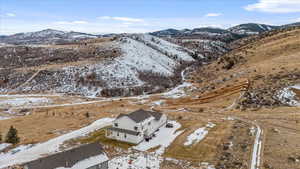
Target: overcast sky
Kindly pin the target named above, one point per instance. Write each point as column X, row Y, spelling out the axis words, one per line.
column 118, row 16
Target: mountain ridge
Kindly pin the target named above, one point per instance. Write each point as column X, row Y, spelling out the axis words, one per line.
column 241, row 29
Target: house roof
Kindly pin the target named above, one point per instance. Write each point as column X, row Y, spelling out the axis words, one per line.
column 141, row 115
column 69, row 158
column 135, row 133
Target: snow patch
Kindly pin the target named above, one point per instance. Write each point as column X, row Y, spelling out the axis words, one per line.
column 198, row 135
column 164, row 137
column 31, row 101
column 136, row 161
column 4, row 118
column 4, row 146
column 158, row 102
column 50, row 146
column 178, row 91
column 287, row 96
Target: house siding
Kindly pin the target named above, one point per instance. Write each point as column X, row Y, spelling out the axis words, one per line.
column 156, row 124
column 121, row 137
column 146, row 128
column 125, row 123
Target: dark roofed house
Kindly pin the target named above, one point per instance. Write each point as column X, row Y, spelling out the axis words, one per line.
column 89, row 156
column 136, row 126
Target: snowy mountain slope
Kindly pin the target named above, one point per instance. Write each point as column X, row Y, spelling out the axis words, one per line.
column 157, row 59
column 170, row 49
column 47, row 36
column 242, row 29
column 252, row 28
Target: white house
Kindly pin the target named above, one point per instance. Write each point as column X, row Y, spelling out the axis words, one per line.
column 136, row 126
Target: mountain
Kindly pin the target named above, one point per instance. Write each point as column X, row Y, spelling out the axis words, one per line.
column 268, row 60
column 208, row 41
column 214, row 42
column 251, row 28
column 291, row 25
column 243, row 29
column 168, row 32
column 188, row 32
column 208, row 30
column 124, row 66
column 47, row 36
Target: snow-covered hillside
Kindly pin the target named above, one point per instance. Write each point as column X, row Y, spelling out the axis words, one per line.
column 251, row 28
column 140, row 54
column 47, row 36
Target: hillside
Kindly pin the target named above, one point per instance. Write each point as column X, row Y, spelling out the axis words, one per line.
column 215, row 42
column 252, row 28
column 100, row 67
column 47, row 36
column 269, row 61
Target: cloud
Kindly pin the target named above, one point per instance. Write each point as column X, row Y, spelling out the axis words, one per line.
column 10, row 14
column 213, row 14
column 275, row 6
column 70, row 22
column 124, row 19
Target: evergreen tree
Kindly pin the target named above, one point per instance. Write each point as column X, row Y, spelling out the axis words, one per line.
column 87, row 114
column 12, row 136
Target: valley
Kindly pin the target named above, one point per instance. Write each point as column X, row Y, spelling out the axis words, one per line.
column 245, row 97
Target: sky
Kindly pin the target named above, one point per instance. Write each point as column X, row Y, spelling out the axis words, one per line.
column 133, row 16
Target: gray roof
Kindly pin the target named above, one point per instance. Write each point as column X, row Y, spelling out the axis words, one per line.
column 68, row 158
column 135, row 133
column 141, row 115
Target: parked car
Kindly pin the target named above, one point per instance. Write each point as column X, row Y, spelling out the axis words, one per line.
column 169, row 125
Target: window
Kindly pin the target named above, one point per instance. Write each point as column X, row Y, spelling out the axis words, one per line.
column 118, row 134
column 149, row 123
column 116, row 125
column 125, row 135
column 135, row 128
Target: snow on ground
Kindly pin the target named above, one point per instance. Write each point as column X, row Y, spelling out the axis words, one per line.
column 158, row 102
column 178, row 91
column 168, row 47
column 198, row 134
column 140, row 160
column 4, row 118
column 296, row 86
column 121, row 72
column 136, row 161
column 50, row 146
column 4, row 146
column 143, row 58
column 164, row 137
column 92, row 161
column 287, row 96
column 10, row 102
column 205, row 165
column 29, row 95
column 256, row 153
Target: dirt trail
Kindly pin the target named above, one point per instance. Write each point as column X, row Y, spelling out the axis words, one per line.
column 27, row 81
column 211, row 96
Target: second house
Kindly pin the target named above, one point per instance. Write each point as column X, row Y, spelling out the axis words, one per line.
column 136, row 126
